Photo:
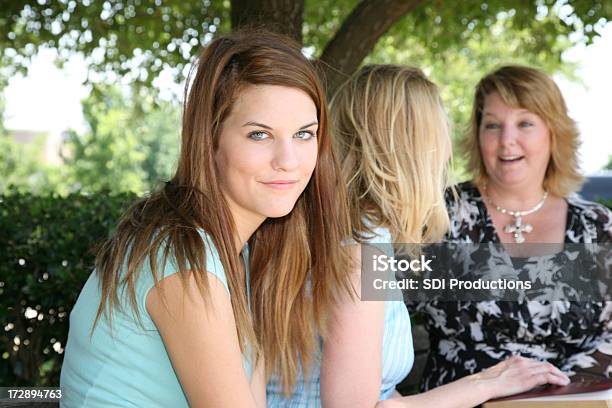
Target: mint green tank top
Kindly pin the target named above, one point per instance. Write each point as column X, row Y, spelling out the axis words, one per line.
column 128, row 367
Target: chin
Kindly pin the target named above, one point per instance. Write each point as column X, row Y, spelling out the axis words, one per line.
column 508, row 180
column 279, row 211
column 511, row 179
column 278, row 214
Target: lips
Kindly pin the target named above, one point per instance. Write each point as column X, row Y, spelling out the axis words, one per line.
column 280, row 184
column 511, row 158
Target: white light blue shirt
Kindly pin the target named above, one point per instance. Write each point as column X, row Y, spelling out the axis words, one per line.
column 397, row 351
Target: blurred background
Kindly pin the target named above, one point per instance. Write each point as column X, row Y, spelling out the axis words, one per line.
column 91, row 90
column 90, row 106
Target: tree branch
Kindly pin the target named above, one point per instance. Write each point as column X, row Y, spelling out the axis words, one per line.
column 358, row 35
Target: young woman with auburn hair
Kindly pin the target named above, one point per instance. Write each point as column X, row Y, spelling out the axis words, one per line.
column 227, row 272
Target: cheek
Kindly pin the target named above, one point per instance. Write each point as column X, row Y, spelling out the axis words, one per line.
column 239, row 160
column 488, row 147
column 220, row 164
column 309, row 159
column 245, row 166
column 233, row 168
column 540, row 145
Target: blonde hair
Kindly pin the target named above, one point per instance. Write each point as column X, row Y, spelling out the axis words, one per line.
column 393, row 136
column 531, row 89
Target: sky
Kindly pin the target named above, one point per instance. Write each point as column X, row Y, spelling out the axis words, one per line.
column 590, row 103
column 49, row 99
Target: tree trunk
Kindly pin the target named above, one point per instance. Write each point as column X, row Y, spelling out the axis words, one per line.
column 354, row 40
column 282, row 16
column 358, row 35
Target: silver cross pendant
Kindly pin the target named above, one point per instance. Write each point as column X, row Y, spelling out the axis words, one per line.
column 517, row 229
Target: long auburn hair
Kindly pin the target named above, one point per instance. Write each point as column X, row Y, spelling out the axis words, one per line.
column 298, row 266
column 393, row 135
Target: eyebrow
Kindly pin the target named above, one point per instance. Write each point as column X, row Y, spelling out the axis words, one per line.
column 251, row 123
column 520, row 112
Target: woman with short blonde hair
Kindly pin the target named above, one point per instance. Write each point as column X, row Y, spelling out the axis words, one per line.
column 533, row 90
column 522, row 149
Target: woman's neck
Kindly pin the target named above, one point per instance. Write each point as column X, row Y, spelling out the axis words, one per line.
column 514, row 198
column 245, row 228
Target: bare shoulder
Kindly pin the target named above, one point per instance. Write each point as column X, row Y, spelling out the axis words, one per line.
column 180, row 293
column 200, row 336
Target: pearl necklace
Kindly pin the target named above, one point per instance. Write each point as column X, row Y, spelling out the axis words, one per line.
column 518, row 227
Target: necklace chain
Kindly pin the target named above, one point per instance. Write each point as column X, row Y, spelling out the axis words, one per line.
column 518, row 228
column 518, row 213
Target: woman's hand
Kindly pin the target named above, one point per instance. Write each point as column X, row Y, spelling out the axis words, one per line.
column 519, row 374
column 512, row 376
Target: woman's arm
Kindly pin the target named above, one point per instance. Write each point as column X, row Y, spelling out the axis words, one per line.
column 258, row 384
column 352, row 352
column 351, row 366
column 512, row 376
column 202, row 342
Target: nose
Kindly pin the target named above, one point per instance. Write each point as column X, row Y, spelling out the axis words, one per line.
column 286, row 157
column 508, row 135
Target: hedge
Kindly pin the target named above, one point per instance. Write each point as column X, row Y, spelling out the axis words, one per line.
column 46, row 256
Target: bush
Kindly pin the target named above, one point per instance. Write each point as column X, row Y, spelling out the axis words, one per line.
column 46, row 256
column 606, row 202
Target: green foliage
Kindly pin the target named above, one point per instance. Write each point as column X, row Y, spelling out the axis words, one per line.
column 132, row 144
column 21, row 167
column 609, row 165
column 158, row 34
column 442, row 25
column 139, row 38
column 45, row 259
column 159, row 130
column 607, row 203
column 109, row 155
column 455, row 42
column 3, row 84
column 322, row 18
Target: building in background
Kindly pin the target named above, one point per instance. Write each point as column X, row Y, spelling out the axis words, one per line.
column 50, row 143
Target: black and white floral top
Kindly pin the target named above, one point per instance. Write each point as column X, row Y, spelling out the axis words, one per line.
column 467, row 337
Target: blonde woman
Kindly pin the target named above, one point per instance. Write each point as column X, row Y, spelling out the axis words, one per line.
column 392, row 135
column 522, row 147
